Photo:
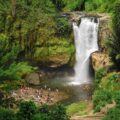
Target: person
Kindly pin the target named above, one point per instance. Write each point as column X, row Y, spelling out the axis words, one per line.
column 45, row 86
column 57, row 90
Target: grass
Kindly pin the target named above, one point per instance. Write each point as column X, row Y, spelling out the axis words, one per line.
column 79, row 108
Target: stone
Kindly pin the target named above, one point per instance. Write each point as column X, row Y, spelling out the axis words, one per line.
column 33, row 79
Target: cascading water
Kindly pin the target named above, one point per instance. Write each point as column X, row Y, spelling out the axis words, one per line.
column 86, row 42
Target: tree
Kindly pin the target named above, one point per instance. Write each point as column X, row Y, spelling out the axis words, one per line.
column 13, row 2
column 26, row 110
column 114, row 42
column 59, row 4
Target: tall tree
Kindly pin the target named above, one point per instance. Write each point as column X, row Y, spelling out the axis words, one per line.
column 13, row 2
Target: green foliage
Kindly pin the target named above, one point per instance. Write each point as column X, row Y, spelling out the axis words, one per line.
column 77, row 108
column 35, row 25
column 113, row 114
column 72, row 5
column 59, row 4
column 58, row 112
column 32, row 23
column 99, row 74
column 10, row 69
column 26, row 110
column 114, row 42
column 110, row 82
column 7, row 114
column 41, row 117
column 117, row 99
column 100, row 5
column 63, row 27
column 101, row 98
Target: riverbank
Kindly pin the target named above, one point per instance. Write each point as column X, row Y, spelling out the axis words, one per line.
column 39, row 96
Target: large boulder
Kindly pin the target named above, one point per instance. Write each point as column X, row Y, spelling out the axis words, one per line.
column 33, row 79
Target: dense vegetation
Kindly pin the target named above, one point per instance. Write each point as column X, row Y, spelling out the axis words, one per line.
column 27, row 110
column 114, row 43
column 34, row 30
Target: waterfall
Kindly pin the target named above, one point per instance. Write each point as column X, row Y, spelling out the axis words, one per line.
column 86, row 42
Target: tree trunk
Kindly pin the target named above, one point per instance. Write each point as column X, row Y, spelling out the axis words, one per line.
column 13, row 2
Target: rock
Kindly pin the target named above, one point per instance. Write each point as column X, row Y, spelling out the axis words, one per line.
column 33, row 79
column 99, row 60
column 105, row 109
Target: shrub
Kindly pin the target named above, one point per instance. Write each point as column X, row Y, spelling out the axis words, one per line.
column 113, row 114
column 44, row 109
column 63, row 27
column 72, row 5
column 7, row 114
column 59, row 4
column 26, row 110
column 10, row 69
column 58, row 112
column 55, row 112
column 41, row 117
column 114, row 42
column 99, row 5
column 99, row 74
column 101, row 98
column 111, row 82
column 117, row 99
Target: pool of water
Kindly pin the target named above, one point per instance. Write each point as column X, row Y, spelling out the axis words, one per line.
column 76, row 92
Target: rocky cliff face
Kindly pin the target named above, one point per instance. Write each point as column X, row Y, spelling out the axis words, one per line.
column 100, row 58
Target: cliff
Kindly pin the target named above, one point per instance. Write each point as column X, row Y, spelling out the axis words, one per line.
column 99, row 58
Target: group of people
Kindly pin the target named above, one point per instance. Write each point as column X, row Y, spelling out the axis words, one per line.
column 40, row 96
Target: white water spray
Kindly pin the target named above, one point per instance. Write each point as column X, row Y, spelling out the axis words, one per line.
column 86, row 42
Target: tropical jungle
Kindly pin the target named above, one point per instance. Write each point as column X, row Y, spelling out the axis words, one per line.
column 59, row 59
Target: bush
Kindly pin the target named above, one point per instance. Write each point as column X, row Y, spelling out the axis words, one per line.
column 113, row 114
column 99, row 74
column 117, row 99
column 59, row 4
column 58, row 112
column 99, row 5
column 55, row 112
column 100, row 99
column 114, row 42
column 63, row 28
column 41, row 117
column 111, row 82
column 10, row 69
column 26, row 110
column 72, row 5
column 7, row 114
